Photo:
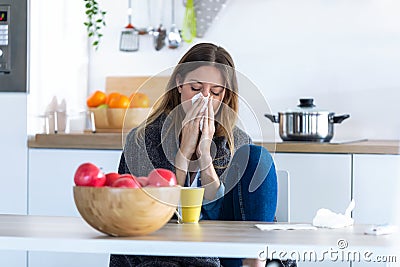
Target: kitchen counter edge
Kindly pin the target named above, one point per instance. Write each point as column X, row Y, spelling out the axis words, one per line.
column 115, row 141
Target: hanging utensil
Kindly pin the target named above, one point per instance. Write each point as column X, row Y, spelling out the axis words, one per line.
column 129, row 41
column 160, row 33
column 159, row 37
column 174, row 36
column 189, row 23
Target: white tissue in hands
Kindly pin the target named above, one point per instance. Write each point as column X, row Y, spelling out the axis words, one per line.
column 197, row 96
column 194, row 98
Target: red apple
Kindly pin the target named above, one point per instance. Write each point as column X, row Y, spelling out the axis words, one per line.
column 89, row 174
column 127, row 175
column 126, row 182
column 111, row 177
column 143, row 180
column 161, row 177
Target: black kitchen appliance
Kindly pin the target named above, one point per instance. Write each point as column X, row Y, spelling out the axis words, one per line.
column 13, row 45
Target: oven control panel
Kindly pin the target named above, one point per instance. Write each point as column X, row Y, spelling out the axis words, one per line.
column 5, row 52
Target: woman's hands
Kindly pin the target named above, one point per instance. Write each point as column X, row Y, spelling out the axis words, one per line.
column 209, row 177
column 189, row 138
column 195, row 141
column 192, row 139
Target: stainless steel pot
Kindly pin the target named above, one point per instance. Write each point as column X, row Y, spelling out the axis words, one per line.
column 306, row 123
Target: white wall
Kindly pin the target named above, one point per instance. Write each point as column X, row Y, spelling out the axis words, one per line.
column 344, row 53
column 58, row 58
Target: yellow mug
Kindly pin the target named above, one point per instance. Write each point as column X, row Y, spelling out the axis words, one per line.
column 190, row 204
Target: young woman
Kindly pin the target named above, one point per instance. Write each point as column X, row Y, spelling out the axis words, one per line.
column 200, row 142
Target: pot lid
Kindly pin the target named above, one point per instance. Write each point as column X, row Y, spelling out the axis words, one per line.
column 306, row 106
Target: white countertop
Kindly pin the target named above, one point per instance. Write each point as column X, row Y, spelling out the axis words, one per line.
column 208, row 238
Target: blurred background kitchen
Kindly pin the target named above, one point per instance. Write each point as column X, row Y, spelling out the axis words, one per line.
column 344, row 54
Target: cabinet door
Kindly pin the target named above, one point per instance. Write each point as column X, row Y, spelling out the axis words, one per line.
column 51, row 173
column 13, row 165
column 13, row 154
column 51, row 177
column 376, row 180
column 63, row 259
column 13, row 258
column 316, row 181
column 376, row 186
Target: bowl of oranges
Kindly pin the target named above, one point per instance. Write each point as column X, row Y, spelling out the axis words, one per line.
column 118, row 111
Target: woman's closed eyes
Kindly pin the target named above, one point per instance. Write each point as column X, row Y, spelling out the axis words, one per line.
column 198, row 86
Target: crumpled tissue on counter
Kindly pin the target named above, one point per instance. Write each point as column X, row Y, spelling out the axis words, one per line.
column 328, row 219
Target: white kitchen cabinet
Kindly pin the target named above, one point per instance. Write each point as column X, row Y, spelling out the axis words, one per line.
column 316, row 181
column 13, row 165
column 51, row 177
column 376, row 183
column 64, row 259
column 51, row 173
column 376, row 188
column 14, row 154
column 13, row 258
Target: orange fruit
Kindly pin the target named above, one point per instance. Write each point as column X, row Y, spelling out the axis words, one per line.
column 96, row 99
column 111, row 96
column 119, row 102
column 139, row 100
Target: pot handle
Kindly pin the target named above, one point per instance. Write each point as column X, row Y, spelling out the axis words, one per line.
column 273, row 118
column 339, row 119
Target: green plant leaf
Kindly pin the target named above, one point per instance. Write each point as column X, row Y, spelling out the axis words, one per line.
column 95, row 21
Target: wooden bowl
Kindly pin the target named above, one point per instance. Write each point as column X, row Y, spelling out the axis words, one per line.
column 126, row 118
column 100, row 117
column 126, row 211
column 119, row 118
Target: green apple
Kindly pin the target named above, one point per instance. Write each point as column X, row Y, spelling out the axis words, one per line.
column 102, row 106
